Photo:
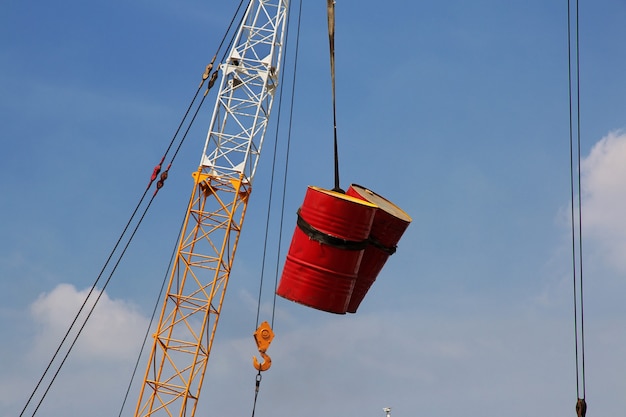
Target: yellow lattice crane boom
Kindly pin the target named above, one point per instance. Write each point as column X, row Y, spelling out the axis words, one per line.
column 217, row 207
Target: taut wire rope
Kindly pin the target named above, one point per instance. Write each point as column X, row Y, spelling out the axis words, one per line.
column 272, row 175
column 160, row 182
column 331, row 43
column 286, row 171
column 147, row 334
column 205, row 76
column 259, row 377
column 106, row 283
column 576, row 205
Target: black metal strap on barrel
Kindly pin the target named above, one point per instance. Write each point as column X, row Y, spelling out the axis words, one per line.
column 327, row 239
column 389, row 250
column 337, row 242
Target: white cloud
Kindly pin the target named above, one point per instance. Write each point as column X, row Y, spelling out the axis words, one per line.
column 419, row 364
column 344, row 365
column 114, row 329
column 604, row 197
column 95, row 375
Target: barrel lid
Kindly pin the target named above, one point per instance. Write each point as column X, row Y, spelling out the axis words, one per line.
column 381, row 202
column 343, row 196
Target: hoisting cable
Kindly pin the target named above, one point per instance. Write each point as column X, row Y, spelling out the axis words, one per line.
column 106, row 283
column 262, row 326
column 160, row 183
column 84, row 304
column 286, row 171
column 273, row 171
column 577, row 250
column 91, row 290
column 157, row 168
column 331, row 43
column 208, row 74
column 212, row 78
column 257, row 386
column 152, row 317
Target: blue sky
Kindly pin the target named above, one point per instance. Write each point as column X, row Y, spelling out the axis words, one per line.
column 455, row 111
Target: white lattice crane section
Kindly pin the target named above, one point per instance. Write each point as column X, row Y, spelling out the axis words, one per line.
column 242, row 109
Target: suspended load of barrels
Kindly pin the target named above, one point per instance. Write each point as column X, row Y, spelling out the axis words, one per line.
column 340, row 244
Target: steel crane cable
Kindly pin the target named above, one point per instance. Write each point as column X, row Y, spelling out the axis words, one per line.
column 285, row 172
column 209, row 74
column 577, row 250
column 331, row 43
column 272, row 174
column 91, row 309
column 82, row 307
column 154, row 312
column 166, row 275
column 160, row 183
column 84, row 304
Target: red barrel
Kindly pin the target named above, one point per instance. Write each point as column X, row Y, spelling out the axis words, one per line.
column 390, row 222
column 326, row 250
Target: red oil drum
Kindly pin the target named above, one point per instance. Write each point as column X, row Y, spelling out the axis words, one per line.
column 326, row 250
column 390, row 222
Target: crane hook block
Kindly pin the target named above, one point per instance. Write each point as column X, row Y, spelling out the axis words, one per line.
column 263, row 337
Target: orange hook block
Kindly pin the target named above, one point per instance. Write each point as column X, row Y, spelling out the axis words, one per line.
column 263, row 337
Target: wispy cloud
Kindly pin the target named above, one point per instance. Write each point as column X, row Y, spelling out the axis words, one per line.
column 604, row 197
column 113, row 332
column 346, row 365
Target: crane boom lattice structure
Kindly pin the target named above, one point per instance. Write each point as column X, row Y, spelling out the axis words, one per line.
column 216, row 211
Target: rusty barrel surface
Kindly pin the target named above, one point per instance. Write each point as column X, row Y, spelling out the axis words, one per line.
column 326, row 250
column 390, row 223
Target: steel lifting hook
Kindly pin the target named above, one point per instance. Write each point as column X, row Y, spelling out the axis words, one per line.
column 263, row 337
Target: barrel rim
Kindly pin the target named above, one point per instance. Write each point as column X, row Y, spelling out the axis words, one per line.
column 343, row 196
column 387, row 205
